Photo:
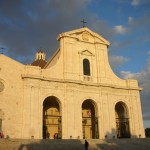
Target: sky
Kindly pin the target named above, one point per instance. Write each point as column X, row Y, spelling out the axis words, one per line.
column 29, row 25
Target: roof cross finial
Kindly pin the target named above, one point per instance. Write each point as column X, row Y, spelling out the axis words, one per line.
column 83, row 23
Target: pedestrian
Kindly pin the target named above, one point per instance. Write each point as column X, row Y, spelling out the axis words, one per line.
column 48, row 135
column 56, row 136
column 86, row 145
column 1, row 134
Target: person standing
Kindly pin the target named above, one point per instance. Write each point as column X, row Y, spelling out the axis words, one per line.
column 48, row 135
column 86, row 145
column 1, row 134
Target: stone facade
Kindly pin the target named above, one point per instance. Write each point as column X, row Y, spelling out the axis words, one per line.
column 76, row 94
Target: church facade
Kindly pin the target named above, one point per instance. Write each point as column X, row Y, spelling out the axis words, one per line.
column 75, row 95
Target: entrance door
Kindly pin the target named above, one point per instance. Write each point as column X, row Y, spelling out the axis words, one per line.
column 122, row 120
column 89, row 120
column 51, row 118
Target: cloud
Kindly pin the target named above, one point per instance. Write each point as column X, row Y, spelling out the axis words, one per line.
column 139, row 24
column 26, row 26
column 139, row 2
column 135, row 2
column 130, row 19
column 148, row 52
column 120, row 29
column 100, row 26
column 73, row 5
column 117, row 61
column 129, row 74
column 143, row 78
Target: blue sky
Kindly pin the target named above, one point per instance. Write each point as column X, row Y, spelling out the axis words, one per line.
column 28, row 25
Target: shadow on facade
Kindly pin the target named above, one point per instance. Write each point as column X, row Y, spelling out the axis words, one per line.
column 120, row 134
column 112, row 141
column 111, row 135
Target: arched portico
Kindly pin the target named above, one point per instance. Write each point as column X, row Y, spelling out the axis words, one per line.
column 89, row 120
column 52, row 118
column 122, row 120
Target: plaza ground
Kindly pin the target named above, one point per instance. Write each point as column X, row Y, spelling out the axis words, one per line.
column 72, row 144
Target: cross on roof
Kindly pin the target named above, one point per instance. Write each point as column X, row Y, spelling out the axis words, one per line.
column 83, row 22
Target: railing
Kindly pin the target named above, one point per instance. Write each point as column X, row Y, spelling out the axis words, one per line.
column 87, row 78
column 122, row 125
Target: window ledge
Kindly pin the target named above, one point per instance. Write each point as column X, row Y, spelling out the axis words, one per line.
column 87, row 78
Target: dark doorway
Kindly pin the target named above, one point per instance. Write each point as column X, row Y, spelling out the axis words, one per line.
column 51, row 118
column 89, row 120
column 122, row 120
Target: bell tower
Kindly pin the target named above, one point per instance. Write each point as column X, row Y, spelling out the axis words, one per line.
column 40, row 55
column 39, row 59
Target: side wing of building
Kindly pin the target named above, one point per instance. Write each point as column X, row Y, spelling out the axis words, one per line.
column 11, row 96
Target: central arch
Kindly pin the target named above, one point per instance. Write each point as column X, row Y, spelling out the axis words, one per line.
column 52, row 118
column 89, row 120
column 122, row 120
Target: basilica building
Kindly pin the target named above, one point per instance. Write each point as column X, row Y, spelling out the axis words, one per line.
column 73, row 95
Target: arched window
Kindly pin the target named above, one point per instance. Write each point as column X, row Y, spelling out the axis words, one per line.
column 86, row 67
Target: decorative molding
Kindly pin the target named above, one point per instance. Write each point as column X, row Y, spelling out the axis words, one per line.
column 86, row 52
column 78, row 82
column 85, row 36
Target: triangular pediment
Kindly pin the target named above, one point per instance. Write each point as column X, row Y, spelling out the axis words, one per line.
column 86, row 52
column 86, row 35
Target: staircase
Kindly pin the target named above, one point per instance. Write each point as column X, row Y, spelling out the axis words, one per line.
column 47, row 144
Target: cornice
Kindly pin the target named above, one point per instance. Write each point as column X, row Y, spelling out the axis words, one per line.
column 86, row 83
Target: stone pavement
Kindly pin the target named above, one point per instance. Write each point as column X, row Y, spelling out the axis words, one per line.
column 112, row 144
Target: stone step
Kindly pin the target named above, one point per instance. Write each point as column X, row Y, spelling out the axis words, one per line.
column 70, row 144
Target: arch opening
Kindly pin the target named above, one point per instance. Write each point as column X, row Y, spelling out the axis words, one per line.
column 89, row 120
column 52, row 126
column 122, row 120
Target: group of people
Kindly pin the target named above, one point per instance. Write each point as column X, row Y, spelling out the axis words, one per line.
column 56, row 136
column 86, row 144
